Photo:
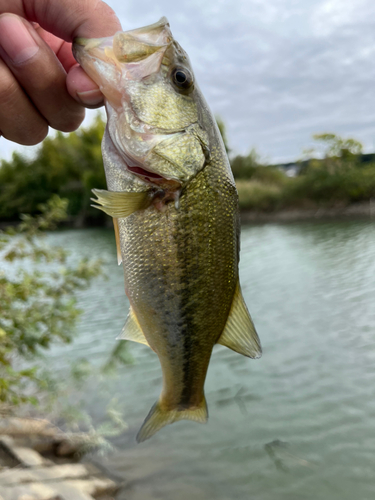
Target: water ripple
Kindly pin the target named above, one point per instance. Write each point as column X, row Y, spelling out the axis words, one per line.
column 297, row 424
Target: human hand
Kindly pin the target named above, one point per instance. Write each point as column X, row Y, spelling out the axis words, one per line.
column 41, row 84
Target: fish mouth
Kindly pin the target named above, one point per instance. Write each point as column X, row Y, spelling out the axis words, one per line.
column 155, row 178
column 145, row 173
column 128, row 46
column 118, row 64
column 153, row 34
column 128, row 55
column 114, row 61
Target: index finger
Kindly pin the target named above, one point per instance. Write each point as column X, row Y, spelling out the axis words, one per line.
column 67, row 19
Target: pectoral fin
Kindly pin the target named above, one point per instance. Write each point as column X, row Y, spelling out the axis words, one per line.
column 132, row 330
column 117, row 236
column 121, row 204
column 239, row 333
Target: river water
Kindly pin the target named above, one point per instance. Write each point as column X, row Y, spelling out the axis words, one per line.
column 297, row 424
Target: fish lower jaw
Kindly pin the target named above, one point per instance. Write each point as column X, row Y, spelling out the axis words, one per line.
column 145, row 174
column 155, row 179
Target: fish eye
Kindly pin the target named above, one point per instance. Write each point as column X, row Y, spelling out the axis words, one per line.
column 182, row 78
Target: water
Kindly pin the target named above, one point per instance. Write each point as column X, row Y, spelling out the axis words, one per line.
column 298, row 424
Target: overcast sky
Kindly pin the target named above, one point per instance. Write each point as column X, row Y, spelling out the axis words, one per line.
column 276, row 71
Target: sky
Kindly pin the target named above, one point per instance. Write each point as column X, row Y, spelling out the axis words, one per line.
column 275, row 71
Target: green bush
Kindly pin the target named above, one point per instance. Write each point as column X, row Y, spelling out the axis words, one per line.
column 255, row 195
column 37, row 307
column 339, row 178
column 342, row 184
column 66, row 165
column 71, row 165
column 243, row 167
column 269, row 175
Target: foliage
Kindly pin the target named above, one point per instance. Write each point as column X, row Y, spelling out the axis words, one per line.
column 331, row 187
column 260, row 187
column 243, row 167
column 339, row 178
column 69, row 165
column 334, row 172
column 255, row 195
column 37, row 307
column 223, row 132
column 336, row 146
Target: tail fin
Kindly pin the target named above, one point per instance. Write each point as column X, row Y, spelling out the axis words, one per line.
column 158, row 418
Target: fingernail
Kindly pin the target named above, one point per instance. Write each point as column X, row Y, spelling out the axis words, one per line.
column 90, row 97
column 16, row 40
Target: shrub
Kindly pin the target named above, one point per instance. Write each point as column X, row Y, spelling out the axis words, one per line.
column 36, row 307
column 255, row 195
column 67, row 165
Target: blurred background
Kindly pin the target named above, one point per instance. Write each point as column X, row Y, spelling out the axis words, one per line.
column 291, row 85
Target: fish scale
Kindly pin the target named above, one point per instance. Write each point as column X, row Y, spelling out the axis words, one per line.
column 178, row 229
column 181, row 269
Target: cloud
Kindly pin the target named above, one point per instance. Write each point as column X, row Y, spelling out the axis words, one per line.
column 333, row 15
column 276, row 71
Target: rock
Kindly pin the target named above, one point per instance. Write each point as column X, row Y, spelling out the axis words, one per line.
column 24, row 456
column 42, row 436
column 41, row 491
column 15, row 426
column 94, row 486
column 54, row 473
column 79, row 489
column 26, row 475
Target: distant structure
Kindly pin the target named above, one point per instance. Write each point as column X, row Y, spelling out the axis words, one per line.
column 293, row 169
column 290, row 169
column 368, row 157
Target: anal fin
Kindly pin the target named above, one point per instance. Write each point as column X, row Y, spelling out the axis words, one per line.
column 132, row 330
column 239, row 333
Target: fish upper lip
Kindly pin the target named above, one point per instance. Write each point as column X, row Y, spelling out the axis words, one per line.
column 155, row 35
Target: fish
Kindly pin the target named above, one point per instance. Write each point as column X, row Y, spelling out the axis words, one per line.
column 174, row 203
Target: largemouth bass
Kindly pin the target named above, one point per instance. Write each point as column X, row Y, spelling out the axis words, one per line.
column 175, row 208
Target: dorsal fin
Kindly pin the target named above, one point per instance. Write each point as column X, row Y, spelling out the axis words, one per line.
column 239, row 333
column 117, row 236
column 132, row 330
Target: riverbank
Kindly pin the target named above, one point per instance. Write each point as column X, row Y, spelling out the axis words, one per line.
column 363, row 210
column 353, row 211
column 40, row 462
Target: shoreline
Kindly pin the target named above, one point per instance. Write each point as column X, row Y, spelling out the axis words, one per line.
column 363, row 210
column 39, row 461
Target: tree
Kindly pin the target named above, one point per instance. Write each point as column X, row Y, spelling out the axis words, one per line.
column 36, row 307
column 244, row 167
column 336, row 146
column 338, row 153
column 223, row 132
column 68, row 165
